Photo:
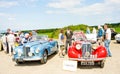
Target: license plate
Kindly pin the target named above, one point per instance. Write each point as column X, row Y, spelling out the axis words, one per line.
column 87, row 63
column 20, row 59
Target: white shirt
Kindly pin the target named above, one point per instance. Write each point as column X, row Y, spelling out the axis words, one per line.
column 10, row 38
column 60, row 41
column 4, row 39
column 94, row 31
column 108, row 31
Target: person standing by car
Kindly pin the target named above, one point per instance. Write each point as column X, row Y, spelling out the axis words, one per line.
column 68, row 35
column 34, row 34
column 4, row 42
column 107, row 40
column 11, row 42
column 88, row 30
column 61, row 43
column 94, row 31
column 100, row 35
column 7, row 33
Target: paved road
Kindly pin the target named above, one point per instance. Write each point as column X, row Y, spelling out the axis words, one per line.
column 54, row 65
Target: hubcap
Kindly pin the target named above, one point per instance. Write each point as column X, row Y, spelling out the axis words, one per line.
column 45, row 56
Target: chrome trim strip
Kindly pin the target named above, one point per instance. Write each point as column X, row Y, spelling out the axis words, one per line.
column 91, row 59
column 31, row 59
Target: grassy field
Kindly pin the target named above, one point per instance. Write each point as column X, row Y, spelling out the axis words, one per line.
column 49, row 34
column 117, row 30
column 53, row 33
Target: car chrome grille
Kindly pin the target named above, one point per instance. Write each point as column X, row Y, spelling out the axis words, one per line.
column 86, row 50
column 26, row 51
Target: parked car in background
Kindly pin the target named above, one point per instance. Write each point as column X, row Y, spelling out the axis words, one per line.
column 83, row 51
column 39, row 49
column 113, row 33
column 117, row 38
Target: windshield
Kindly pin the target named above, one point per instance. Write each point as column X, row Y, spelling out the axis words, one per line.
column 79, row 37
column 42, row 37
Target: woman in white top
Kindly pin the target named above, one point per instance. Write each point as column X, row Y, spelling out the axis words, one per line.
column 4, row 42
column 61, row 43
column 94, row 31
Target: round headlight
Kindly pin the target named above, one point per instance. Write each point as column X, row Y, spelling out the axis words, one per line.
column 78, row 46
column 37, row 50
column 19, row 52
column 30, row 54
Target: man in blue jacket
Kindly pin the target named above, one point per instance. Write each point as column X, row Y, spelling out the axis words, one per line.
column 100, row 34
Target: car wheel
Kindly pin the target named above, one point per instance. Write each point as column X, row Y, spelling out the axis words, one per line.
column 44, row 59
column 56, row 51
column 102, row 64
column 117, row 41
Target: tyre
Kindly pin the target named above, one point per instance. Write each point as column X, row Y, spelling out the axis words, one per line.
column 18, row 62
column 44, row 59
column 102, row 63
column 118, row 41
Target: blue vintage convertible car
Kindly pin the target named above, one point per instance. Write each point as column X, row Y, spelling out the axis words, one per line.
column 35, row 50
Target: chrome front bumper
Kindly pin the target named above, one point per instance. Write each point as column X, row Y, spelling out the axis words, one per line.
column 87, row 59
column 26, row 59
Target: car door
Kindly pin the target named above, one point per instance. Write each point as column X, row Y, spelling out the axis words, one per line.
column 53, row 46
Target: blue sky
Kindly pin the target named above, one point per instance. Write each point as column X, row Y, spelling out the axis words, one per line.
column 42, row 14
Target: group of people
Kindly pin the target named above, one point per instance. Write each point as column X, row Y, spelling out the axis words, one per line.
column 103, row 38
column 12, row 39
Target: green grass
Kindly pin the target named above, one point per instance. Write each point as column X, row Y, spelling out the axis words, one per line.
column 117, row 30
column 49, row 34
column 53, row 34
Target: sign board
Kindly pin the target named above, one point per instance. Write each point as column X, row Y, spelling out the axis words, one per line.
column 69, row 65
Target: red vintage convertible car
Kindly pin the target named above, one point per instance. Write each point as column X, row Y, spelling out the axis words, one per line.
column 85, row 52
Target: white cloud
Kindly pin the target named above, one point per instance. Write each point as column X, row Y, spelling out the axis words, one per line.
column 8, row 4
column 9, row 17
column 106, row 7
column 112, row 1
column 2, row 14
column 57, row 12
column 64, row 3
column 49, row 12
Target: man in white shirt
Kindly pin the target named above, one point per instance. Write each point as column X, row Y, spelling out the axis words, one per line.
column 4, row 42
column 107, row 40
column 11, row 42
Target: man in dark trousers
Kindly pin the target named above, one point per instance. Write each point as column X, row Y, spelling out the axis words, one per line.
column 68, row 35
